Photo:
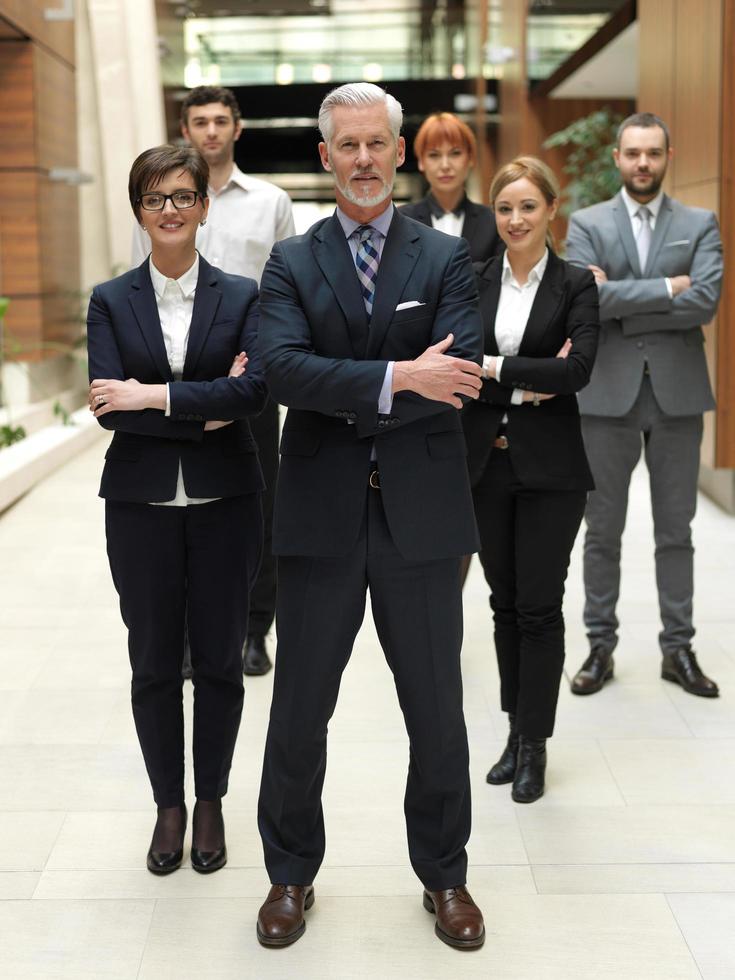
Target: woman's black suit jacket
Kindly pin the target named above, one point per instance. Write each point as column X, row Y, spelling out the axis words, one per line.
column 125, row 340
column 545, row 441
column 478, row 230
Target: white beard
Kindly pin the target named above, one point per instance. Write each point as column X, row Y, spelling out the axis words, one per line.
column 367, row 202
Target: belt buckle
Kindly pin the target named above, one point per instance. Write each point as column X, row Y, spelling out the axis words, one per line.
column 374, row 480
column 501, row 442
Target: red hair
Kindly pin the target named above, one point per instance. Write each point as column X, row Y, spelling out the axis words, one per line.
column 441, row 127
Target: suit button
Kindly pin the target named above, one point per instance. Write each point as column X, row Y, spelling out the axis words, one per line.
column 351, row 415
column 381, row 424
column 393, row 420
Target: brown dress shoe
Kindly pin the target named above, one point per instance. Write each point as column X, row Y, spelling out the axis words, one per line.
column 458, row 920
column 682, row 668
column 281, row 916
column 593, row 673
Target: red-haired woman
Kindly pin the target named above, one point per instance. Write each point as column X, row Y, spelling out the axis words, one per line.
column 446, row 150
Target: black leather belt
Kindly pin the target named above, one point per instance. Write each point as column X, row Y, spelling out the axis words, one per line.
column 374, row 479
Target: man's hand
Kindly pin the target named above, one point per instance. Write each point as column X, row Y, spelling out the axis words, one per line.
column 438, row 376
column 679, row 284
column 215, row 424
column 599, row 274
column 108, row 395
column 238, row 365
column 565, row 348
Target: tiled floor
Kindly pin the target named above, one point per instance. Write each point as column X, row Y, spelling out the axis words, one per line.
column 625, row 869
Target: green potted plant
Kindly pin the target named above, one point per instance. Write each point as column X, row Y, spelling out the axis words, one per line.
column 592, row 173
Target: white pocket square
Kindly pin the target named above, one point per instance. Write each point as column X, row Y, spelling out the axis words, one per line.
column 408, row 304
column 682, row 241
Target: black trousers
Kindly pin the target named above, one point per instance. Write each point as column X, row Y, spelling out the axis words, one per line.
column 263, row 594
column 417, row 610
column 526, row 539
column 198, row 562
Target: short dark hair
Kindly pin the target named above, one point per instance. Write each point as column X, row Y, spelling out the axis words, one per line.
column 152, row 166
column 204, row 95
column 645, row 120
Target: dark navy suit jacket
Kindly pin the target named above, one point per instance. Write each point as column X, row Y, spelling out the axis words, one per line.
column 327, row 364
column 478, row 230
column 125, row 341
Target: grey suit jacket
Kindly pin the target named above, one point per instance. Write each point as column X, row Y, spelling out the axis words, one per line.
column 639, row 322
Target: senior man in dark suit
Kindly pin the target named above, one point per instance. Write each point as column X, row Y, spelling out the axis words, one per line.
column 371, row 336
column 658, row 267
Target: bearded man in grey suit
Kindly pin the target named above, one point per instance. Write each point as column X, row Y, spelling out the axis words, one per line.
column 658, row 266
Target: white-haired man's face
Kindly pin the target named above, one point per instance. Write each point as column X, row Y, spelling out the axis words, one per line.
column 362, row 155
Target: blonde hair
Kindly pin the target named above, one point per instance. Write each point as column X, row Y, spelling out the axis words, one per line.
column 533, row 169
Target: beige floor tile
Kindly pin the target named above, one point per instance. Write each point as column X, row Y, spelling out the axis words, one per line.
column 629, row 879
column 26, row 839
column 629, row 835
column 73, row 940
column 238, row 882
column 18, row 885
column 707, row 923
column 620, row 710
column 671, row 771
column 72, row 777
column 39, row 717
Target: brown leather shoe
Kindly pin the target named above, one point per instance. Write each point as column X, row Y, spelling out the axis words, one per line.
column 593, row 673
column 281, row 916
column 682, row 668
column 458, row 920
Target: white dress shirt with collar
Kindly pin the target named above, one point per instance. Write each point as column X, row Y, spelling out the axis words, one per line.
column 449, row 222
column 514, row 309
column 175, row 302
column 654, row 207
column 246, row 217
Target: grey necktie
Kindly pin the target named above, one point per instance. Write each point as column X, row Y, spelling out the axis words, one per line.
column 643, row 241
column 366, row 262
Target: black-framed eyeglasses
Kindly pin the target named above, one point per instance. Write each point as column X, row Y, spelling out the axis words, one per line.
column 152, row 201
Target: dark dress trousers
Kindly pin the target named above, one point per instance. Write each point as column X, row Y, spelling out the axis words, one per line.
column 336, row 536
column 478, row 230
column 194, row 563
column 529, row 498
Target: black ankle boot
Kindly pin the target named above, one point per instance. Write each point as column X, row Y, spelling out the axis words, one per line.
column 505, row 768
column 528, row 784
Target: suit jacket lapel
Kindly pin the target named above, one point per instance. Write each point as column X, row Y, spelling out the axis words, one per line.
column 143, row 301
column 400, row 252
column 659, row 232
column 491, row 277
column 545, row 304
column 622, row 220
column 206, row 300
column 333, row 255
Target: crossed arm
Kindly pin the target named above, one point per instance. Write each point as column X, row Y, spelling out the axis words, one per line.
column 127, row 405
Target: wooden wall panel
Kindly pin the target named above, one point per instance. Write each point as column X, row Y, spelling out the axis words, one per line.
column 56, row 131
column 20, row 259
column 725, row 436
column 28, row 16
column 17, row 133
column 696, row 120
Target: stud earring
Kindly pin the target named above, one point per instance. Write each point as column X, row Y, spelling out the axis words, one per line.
column 202, row 223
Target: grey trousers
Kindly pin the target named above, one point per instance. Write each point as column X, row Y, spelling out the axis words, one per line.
column 671, row 445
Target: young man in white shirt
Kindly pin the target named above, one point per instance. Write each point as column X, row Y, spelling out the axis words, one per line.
column 246, row 217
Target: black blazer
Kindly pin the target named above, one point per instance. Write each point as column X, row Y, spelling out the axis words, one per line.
column 125, row 341
column 546, row 446
column 478, row 230
column 326, row 363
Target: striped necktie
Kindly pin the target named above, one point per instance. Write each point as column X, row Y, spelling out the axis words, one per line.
column 366, row 262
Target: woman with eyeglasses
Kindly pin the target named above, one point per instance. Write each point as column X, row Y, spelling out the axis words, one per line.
column 175, row 375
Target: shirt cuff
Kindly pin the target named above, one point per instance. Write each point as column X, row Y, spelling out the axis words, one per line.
column 168, row 400
column 669, row 287
column 385, row 400
column 517, row 397
column 486, row 361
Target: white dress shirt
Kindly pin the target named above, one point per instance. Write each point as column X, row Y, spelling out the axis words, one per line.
column 246, row 217
column 654, row 208
column 449, row 222
column 514, row 308
column 175, row 302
